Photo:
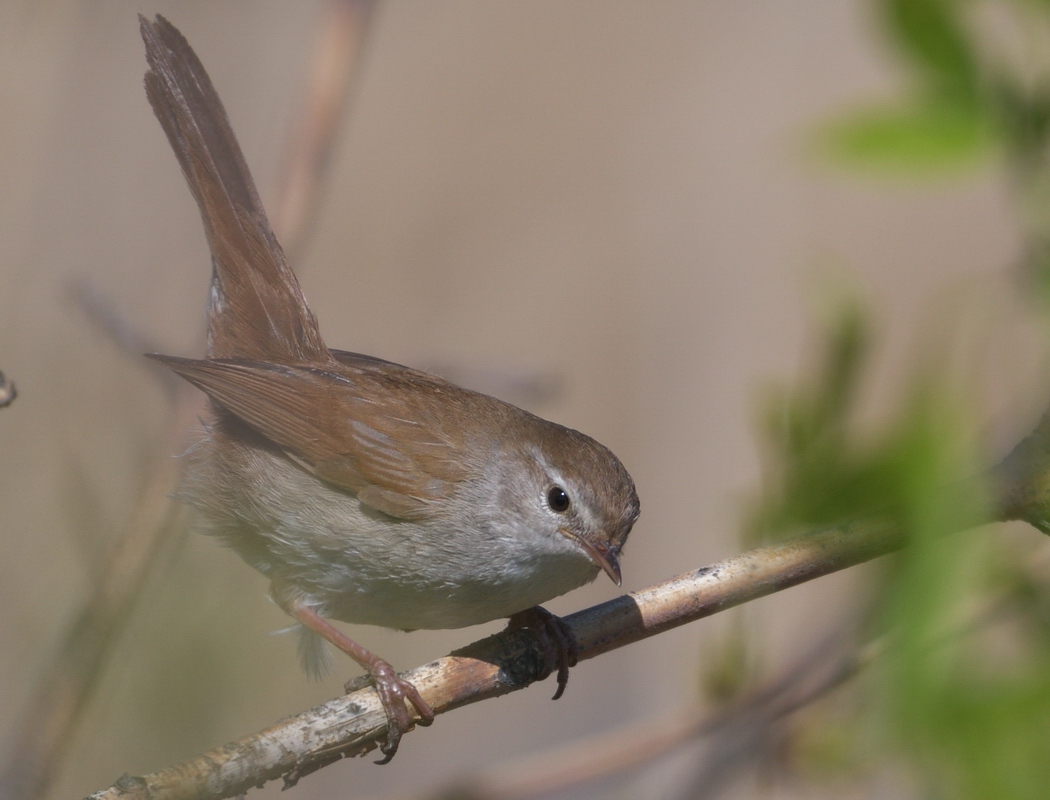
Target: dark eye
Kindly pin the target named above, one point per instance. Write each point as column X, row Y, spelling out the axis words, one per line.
column 558, row 500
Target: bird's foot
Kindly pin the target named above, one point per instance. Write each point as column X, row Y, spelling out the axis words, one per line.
column 557, row 643
column 393, row 691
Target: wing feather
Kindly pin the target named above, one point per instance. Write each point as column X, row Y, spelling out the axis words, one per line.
column 361, row 442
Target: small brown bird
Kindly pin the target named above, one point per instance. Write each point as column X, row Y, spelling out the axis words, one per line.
column 366, row 491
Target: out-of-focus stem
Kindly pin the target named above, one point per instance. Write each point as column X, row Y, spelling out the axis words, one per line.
column 336, row 59
column 41, row 737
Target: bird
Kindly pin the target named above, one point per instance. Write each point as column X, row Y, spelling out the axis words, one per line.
column 365, row 491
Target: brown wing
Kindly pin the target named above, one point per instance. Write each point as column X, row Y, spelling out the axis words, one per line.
column 365, row 441
column 256, row 309
column 365, row 366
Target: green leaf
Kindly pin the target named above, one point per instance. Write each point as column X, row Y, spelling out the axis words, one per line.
column 932, row 35
column 918, row 141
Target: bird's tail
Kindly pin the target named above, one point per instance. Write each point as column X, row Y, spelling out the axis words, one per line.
column 315, row 655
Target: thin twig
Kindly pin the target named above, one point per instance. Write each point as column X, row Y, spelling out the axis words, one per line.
column 104, row 314
column 8, row 392
column 503, row 663
column 336, row 63
column 47, row 725
column 40, row 739
column 750, row 731
column 129, row 339
column 754, row 733
column 638, row 744
column 739, row 732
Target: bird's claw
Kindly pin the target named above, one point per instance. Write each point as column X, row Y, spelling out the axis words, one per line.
column 558, row 645
column 393, row 691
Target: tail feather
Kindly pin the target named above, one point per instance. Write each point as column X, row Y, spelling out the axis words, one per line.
column 314, row 653
column 256, row 309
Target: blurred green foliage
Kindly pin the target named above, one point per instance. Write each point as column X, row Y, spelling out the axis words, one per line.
column 950, row 117
column 961, row 695
column 933, row 35
column 919, row 140
column 959, row 700
column 825, row 470
column 964, row 100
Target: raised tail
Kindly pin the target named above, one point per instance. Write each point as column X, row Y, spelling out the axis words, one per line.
column 256, row 309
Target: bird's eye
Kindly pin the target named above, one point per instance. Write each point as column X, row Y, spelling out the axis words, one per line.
column 558, row 500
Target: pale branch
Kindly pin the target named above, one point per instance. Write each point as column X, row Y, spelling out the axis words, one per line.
column 739, row 732
column 506, row 662
column 825, row 665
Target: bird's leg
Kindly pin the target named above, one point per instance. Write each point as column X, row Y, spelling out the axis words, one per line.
column 393, row 690
column 556, row 642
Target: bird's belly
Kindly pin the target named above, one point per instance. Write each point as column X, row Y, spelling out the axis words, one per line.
column 453, row 601
column 433, row 578
column 356, row 565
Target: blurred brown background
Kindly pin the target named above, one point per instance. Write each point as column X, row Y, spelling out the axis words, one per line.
column 617, row 196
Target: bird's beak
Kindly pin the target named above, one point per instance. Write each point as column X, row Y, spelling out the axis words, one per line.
column 601, row 554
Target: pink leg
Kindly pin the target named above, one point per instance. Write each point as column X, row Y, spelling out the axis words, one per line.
column 393, row 690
